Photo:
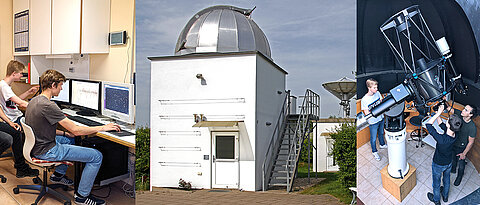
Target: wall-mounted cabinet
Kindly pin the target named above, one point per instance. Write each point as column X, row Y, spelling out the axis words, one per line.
column 95, row 26
column 40, row 27
column 67, row 26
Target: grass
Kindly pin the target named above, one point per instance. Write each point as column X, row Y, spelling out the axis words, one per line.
column 328, row 186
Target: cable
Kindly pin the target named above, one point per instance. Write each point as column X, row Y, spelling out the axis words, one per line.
column 128, row 59
column 108, row 195
column 131, row 169
column 130, row 192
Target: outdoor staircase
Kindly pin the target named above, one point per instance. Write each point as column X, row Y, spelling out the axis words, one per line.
column 283, row 154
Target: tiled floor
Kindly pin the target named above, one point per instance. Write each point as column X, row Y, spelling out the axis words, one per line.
column 209, row 196
column 117, row 195
column 369, row 182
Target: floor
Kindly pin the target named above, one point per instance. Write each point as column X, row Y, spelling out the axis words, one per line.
column 369, row 183
column 117, row 195
column 213, row 196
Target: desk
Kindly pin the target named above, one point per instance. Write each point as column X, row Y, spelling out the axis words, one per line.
column 128, row 141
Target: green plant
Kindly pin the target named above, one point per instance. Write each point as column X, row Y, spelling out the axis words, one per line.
column 184, row 185
column 305, row 150
column 142, row 161
column 344, row 152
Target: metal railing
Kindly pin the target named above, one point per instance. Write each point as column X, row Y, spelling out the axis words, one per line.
column 275, row 141
column 310, row 107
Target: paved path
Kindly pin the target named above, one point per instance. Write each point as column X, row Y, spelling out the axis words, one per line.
column 174, row 196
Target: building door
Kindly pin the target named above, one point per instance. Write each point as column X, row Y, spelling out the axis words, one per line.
column 225, row 170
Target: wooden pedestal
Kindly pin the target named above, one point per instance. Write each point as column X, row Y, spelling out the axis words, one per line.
column 399, row 188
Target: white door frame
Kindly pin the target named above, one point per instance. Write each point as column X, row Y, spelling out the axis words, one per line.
column 233, row 163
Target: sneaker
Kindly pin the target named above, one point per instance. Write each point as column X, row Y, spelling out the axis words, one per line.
column 376, row 156
column 383, row 146
column 89, row 200
column 61, row 180
column 430, row 197
column 445, row 199
column 27, row 172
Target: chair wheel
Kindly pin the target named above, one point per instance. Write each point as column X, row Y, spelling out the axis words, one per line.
column 16, row 190
column 36, row 180
column 4, row 180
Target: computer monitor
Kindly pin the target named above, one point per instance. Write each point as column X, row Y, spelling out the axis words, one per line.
column 86, row 94
column 117, row 101
column 64, row 95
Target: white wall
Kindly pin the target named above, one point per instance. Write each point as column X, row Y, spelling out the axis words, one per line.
column 269, row 103
column 228, row 93
column 322, row 161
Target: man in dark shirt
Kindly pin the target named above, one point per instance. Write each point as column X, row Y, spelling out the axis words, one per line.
column 442, row 159
column 51, row 144
column 465, row 139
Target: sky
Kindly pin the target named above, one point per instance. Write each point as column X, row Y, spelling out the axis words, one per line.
column 314, row 41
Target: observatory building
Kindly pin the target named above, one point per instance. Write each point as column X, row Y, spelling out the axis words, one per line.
column 215, row 103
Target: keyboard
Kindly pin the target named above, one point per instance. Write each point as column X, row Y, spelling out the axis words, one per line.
column 122, row 133
column 84, row 121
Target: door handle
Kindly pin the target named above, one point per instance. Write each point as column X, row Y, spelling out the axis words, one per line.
column 213, row 158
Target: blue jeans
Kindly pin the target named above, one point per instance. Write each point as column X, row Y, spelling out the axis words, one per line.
column 65, row 151
column 374, row 129
column 437, row 171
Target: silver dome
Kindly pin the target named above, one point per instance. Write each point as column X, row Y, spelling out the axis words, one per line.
column 222, row 29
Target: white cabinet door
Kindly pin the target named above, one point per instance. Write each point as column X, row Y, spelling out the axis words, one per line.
column 40, row 27
column 66, row 26
column 20, row 5
column 95, row 26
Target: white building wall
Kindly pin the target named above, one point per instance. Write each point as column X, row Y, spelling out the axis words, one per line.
column 226, row 93
column 322, row 161
column 270, row 80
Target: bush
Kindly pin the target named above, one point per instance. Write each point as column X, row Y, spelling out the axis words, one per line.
column 304, row 154
column 142, row 161
column 344, row 152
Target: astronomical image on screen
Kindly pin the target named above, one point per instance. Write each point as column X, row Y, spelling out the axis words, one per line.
column 116, row 98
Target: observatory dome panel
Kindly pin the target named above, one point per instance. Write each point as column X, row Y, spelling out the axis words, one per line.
column 222, row 29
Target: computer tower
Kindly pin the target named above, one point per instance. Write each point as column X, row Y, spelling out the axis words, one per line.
column 115, row 160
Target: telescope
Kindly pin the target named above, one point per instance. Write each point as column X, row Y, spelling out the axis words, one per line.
column 429, row 75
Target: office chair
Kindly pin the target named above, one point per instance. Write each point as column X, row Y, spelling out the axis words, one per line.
column 3, row 179
column 46, row 165
column 419, row 133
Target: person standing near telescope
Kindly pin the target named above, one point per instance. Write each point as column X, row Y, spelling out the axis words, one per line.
column 369, row 100
column 465, row 138
column 442, row 158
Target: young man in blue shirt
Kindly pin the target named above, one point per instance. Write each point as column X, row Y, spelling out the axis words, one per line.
column 442, row 159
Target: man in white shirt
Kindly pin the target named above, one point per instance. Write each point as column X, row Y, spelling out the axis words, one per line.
column 375, row 124
column 9, row 101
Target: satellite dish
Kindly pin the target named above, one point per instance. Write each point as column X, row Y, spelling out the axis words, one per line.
column 344, row 89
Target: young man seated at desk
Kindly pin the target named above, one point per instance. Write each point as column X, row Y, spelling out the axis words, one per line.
column 8, row 102
column 51, row 144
